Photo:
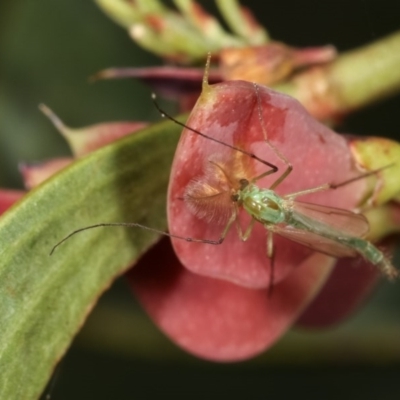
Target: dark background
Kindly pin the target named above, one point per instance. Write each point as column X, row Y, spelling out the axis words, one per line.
column 48, row 49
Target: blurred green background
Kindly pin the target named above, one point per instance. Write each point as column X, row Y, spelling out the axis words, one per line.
column 48, row 49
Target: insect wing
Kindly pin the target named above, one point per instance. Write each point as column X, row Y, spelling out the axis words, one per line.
column 314, row 241
column 345, row 222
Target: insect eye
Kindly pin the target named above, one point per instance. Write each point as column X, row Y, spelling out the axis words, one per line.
column 243, row 183
column 235, row 197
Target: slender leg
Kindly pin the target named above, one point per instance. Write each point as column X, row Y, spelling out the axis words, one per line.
column 270, row 249
column 244, row 235
column 327, row 186
column 258, row 177
column 232, row 219
column 308, row 191
column 269, row 172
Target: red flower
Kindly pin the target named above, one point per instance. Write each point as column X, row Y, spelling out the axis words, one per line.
column 214, row 300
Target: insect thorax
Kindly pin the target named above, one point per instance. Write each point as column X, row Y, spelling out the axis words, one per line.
column 263, row 204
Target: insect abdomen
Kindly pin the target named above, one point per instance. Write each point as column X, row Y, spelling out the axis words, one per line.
column 373, row 255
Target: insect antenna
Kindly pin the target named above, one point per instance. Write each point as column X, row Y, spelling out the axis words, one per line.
column 135, row 225
column 164, row 114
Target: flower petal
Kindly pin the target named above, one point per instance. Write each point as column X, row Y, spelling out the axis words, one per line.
column 34, row 174
column 350, row 283
column 219, row 320
column 8, row 198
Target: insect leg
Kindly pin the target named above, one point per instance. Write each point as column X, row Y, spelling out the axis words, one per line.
column 308, row 191
column 327, row 186
column 272, row 171
column 244, row 235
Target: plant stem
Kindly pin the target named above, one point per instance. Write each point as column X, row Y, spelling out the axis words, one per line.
column 355, row 79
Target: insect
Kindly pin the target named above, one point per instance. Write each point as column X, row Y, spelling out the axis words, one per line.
column 333, row 231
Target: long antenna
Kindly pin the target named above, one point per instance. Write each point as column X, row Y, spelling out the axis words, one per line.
column 247, row 153
column 136, row 225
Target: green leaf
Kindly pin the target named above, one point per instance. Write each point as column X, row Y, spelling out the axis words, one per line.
column 45, row 299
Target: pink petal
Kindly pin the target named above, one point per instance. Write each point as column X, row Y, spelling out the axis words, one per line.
column 228, row 111
column 87, row 139
column 8, row 198
column 34, row 174
column 219, row 320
